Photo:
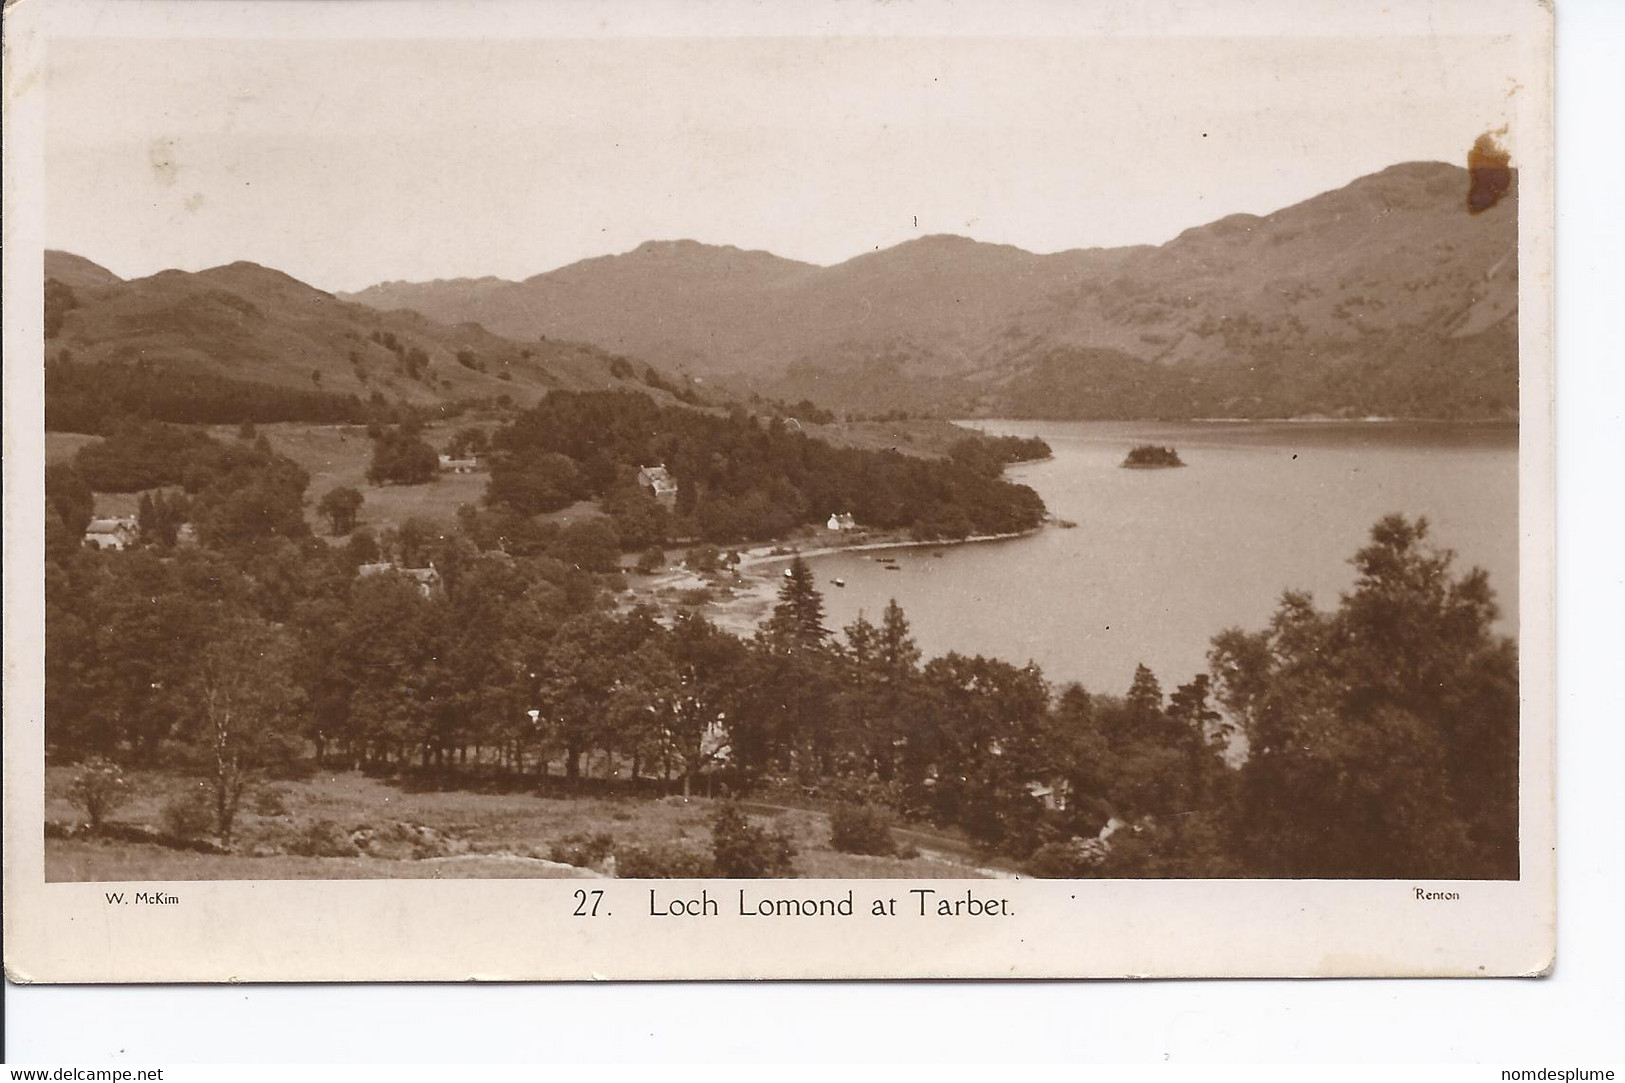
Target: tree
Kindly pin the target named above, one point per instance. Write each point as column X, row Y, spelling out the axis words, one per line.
column 59, row 301
column 639, row 517
column 416, row 362
column 69, row 494
column 143, row 624
column 797, row 623
column 161, row 516
column 707, row 660
column 1382, row 737
column 898, row 655
column 582, row 667
column 340, row 507
column 591, row 545
column 988, row 734
column 471, row 440
column 1205, row 735
column 1144, row 698
column 99, row 787
column 875, row 700
column 384, row 647
column 531, row 484
column 249, row 508
column 643, row 702
column 791, row 689
column 744, row 850
column 402, row 458
column 245, row 706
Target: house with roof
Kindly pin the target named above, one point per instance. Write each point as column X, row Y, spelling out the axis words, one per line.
column 427, row 579
column 658, row 480
column 1053, row 791
column 841, row 521
column 450, row 465
column 112, row 533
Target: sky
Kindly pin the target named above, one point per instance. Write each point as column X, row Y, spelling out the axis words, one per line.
column 346, row 163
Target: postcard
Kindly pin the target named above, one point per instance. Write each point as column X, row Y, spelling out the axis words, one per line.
column 664, row 491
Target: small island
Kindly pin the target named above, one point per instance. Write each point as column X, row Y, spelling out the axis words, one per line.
column 1152, row 457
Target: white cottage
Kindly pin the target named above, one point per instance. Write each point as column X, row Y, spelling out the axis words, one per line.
column 659, row 482
column 112, row 533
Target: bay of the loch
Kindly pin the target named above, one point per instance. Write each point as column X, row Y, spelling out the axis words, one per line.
column 1161, row 560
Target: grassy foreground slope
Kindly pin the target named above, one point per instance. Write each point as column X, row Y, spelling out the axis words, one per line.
column 484, row 835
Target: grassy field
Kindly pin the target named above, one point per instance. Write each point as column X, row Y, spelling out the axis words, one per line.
column 62, row 446
column 74, row 860
column 335, row 456
column 473, row 834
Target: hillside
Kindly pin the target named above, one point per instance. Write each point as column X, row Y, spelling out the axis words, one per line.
column 675, row 303
column 1386, row 295
column 248, row 323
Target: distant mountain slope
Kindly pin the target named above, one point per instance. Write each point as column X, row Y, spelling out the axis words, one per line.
column 676, row 303
column 250, row 323
column 1389, row 278
column 77, row 271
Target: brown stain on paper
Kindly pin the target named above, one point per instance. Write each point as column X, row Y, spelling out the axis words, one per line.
column 1489, row 169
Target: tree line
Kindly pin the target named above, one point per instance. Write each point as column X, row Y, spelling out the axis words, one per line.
column 1376, row 739
column 97, row 398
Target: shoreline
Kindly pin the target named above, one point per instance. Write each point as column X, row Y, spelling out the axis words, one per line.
column 741, row 597
column 753, row 558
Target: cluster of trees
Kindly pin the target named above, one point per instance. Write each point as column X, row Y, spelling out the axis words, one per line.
column 1377, row 739
column 1152, row 455
column 410, row 359
column 233, row 490
column 989, row 455
column 97, row 398
column 59, row 301
column 401, row 457
column 739, row 478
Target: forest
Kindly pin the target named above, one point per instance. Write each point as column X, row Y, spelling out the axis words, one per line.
column 741, row 479
column 1375, row 739
column 98, row 398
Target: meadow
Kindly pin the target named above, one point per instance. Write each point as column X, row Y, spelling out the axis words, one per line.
column 439, row 834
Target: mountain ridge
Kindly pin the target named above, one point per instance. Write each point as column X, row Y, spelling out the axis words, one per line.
column 1384, row 296
column 258, row 325
column 1344, row 282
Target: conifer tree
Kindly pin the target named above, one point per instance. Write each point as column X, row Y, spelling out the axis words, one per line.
column 797, row 624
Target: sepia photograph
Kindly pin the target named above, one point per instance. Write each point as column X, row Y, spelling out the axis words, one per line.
column 841, row 457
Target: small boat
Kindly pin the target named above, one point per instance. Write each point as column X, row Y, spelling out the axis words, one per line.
column 893, row 568
column 838, row 581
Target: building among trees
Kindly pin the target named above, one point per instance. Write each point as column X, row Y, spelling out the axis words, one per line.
column 658, row 481
column 428, row 579
column 452, row 465
column 113, row 533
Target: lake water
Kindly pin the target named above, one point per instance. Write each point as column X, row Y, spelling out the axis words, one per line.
column 1161, row 560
